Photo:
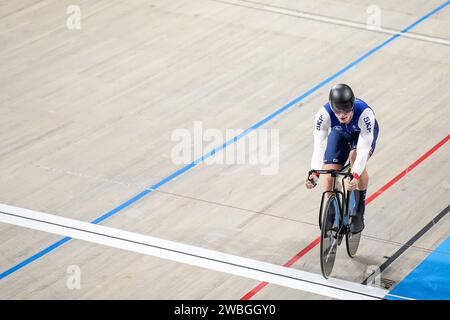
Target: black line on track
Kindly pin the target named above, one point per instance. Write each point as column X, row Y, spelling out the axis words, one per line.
column 410, row 242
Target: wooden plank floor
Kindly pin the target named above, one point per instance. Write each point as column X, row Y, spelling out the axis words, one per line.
column 87, row 118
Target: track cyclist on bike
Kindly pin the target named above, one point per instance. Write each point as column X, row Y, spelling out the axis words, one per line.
column 345, row 128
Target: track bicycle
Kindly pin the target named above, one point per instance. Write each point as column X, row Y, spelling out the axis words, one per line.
column 336, row 211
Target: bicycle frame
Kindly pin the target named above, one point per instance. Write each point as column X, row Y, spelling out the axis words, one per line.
column 341, row 196
column 332, row 234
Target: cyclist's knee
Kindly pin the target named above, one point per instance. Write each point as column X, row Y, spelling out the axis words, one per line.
column 327, row 179
column 352, row 157
column 332, row 166
column 363, row 180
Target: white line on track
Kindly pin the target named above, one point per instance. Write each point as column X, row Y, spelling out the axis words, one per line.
column 204, row 258
column 326, row 19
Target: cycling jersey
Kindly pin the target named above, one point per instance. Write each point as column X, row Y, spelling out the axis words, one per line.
column 333, row 140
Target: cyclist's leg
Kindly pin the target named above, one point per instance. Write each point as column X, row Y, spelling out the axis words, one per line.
column 360, row 194
column 364, row 177
column 328, row 180
column 357, row 224
column 336, row 154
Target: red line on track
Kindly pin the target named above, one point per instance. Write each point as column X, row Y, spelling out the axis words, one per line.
column 316, row 241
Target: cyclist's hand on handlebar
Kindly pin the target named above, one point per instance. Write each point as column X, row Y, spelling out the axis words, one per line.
column 308, row 183
column 351, row 185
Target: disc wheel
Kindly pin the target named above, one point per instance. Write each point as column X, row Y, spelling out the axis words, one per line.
column 352, row 240
column 352, row 243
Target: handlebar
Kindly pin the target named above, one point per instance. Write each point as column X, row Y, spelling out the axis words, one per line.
column 333, row 172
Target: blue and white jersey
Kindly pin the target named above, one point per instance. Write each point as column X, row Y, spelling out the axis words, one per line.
column 362, row 126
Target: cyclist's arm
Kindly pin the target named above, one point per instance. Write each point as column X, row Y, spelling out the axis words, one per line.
column 321, row 126
column 366, row 123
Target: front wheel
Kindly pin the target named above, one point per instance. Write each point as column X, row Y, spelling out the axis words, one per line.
column 329, row 236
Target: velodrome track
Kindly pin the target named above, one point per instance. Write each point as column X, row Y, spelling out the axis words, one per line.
column 88, row 117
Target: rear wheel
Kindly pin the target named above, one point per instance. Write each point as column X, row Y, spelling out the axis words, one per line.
column 352, row 243
column 329, row 236
column 352, row 240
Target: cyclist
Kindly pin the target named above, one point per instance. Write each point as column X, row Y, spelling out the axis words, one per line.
column 345, row 128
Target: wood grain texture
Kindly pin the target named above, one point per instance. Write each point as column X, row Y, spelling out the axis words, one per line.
column 87, row 118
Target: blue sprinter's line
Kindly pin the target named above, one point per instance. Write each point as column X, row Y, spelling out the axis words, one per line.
column 229, row 142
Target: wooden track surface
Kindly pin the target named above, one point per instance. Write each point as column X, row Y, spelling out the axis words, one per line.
column 87, row 118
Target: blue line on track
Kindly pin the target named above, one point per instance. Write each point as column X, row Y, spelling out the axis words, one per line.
column 226, row 144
